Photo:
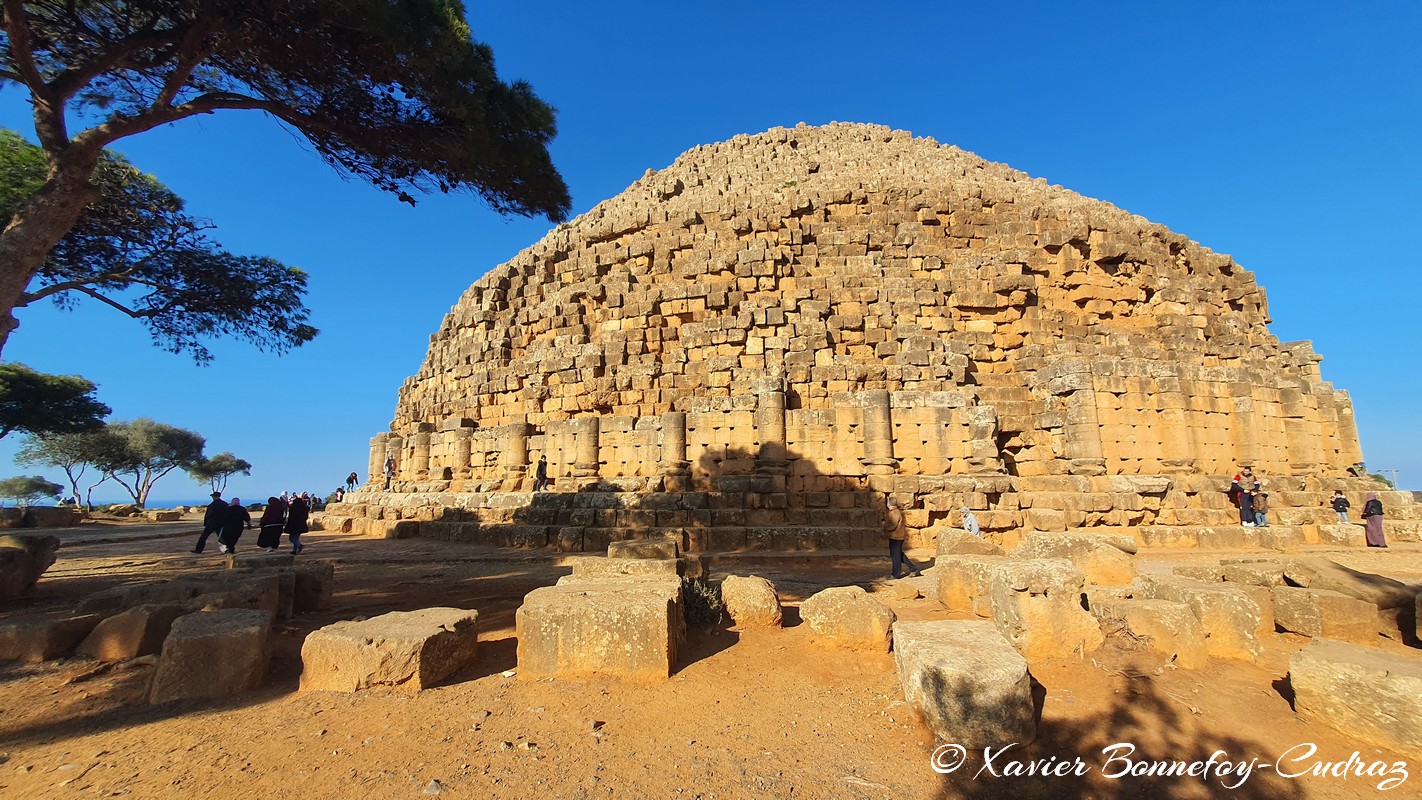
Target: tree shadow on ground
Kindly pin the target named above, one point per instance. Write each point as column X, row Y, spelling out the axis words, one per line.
column 1139, row 747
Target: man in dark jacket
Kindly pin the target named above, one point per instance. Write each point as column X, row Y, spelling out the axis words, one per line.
column 212, row 521
column 238, row 519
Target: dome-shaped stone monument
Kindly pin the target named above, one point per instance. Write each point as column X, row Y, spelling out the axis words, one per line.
column 752, row 346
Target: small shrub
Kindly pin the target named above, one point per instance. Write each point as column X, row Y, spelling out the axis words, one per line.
column 702, row 601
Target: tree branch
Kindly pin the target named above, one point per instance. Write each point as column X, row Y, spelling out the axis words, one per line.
column 49, row 110
column 69, row 82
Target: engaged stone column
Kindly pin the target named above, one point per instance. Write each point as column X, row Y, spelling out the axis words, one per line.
column 420, row 461
column 463, row 452
column 513, row 455
column 394, row 446
column 585, row 468
column 1242, row 425
column 878, row 434
column 984, row 458
column 676, row 470
column 1083, row 434
column 772, row 459
column 1178, row 449
column 375, row 470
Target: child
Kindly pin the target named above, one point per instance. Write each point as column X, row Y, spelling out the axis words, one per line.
column 1341, row 505
column 1261, row 509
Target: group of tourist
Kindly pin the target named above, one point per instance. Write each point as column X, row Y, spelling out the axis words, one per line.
column 287, row 514
column 1247, row 494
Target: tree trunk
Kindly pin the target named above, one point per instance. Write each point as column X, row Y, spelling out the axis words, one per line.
column 38, row 225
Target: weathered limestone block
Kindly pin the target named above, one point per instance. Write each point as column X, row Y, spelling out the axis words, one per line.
column 1166, row 627
column 1345, row 535
column 53, row 516
column 1364, row 692
column 315, row 585
column 621, row 626
column 958, row 542
column 1207, row 574
column 846, row 616
column 970, row 685
column 213, row 654
column 1321, row 613
column 751, row 601
column 1228, row 615
column 1313, row 572
column 602, row 567
column 23, row 559
column 642, row 548
column 138, row 631
column 163, row 516
column 1259, row 573
column 257, row 591
column 44, row 638
column 405, row 650
column 1100, row 563
column 1037, row 606
column 259, row 560
column 963, row 582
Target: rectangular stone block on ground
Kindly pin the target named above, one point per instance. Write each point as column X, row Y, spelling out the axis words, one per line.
column 620, row 626
column 1365, row 692
column 642, row 548
column 405, row 650
column 259, row 560
column 1165, row 627
column 968, row 682
column 1100, row 562
column 963, row 582
column 213, row 654
column 138, row 631
column 1037, row 606
column 44, row 638
column 1323, row 614
column 1228, row 615
column 1315, row 572
column 604, row 567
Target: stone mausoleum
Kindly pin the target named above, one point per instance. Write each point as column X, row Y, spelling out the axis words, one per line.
column 750, row 348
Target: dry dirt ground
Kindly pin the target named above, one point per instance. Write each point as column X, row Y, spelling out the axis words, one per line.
column 758, row 714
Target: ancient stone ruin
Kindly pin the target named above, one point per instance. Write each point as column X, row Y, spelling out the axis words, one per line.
column 751, row 347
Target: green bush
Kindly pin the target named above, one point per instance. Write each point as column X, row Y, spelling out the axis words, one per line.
column 703, row 602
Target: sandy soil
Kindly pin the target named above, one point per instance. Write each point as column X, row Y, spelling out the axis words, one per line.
column 748, row 714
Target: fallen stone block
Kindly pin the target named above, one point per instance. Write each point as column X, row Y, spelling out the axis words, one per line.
column 405, row 650
column 1254, row 574
column 963, row 582
column 163, row 516
column 967, row 681
column 1342, row 535
column 1098, row 561
column 1229, row 616
column 315, row 586
column 751, row 601
column 958, row 542
column 602, row 567
column 1037, row 606
column 213, row 654
column 1321, row 613
column 259, row 560
column 1206, row 574
column 262, row 592
column 619, row 626
column 23, row 559
column 846, row 616
column 1364, row 692
column 642, row 548
column 53, row 517
column 44, row 638
column 138, row 631
column 1313, row 572
column 1162, row 626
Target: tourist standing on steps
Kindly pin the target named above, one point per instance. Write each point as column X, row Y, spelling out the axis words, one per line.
column 212, row 520
column 1341, row 505
column 389, row 470
column 237, row 520
column 296, row 515
column 351, row 481
column 1373, row 520
column 273, row 518
column 1260, row 501
column 970, row 523
column 898, row 532
column 540, row 475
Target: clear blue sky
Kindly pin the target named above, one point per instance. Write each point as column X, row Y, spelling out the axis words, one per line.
column 1288, row 135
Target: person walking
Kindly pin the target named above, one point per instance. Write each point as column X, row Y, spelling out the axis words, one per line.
column 898, row 532
column 351, row 481
column 237, row 520
column 1373, row 521
column 212, row 520
column 296, row 515
column 389, row 470
column 1341, row 505
column 540, row 474
column 270, row 525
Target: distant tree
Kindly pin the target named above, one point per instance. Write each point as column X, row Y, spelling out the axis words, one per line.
column 75, row 453
column 41, row 404
column 395, row 92
column 26, row 490
column 135, row 250
column 216, row 470
column 146, row 451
